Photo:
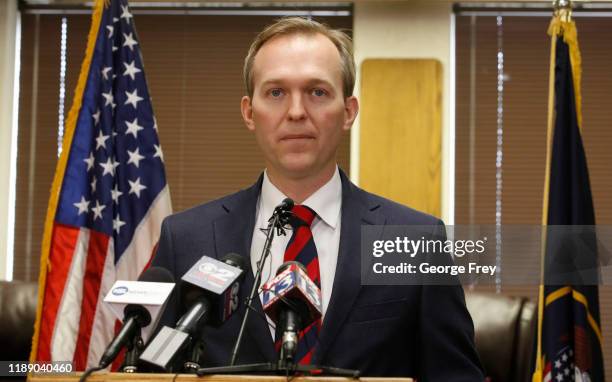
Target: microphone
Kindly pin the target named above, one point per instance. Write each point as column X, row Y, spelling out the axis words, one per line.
column 209, row 293
column 210, row 287
column 292, row 301
column 285, row 206
column 136, row 316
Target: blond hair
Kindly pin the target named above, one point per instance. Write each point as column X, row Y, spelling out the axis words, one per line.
column 299, row 25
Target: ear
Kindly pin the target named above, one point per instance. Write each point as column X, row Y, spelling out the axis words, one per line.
column 246, row 108
column 351, row 108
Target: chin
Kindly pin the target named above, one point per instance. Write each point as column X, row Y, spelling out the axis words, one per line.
column 297, row 167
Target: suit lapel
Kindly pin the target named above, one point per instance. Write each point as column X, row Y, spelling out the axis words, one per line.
column 234, row 233
column 356, row 211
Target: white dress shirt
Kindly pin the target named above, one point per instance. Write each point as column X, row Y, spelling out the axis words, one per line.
column 327, row 203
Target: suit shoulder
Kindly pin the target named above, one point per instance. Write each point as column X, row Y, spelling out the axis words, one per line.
column 399, row 214
column 201, row 213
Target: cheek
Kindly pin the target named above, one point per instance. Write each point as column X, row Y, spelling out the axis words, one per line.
column 266, row 119
column 330, row 121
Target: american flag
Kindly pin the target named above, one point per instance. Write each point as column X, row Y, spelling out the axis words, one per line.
column 108, row 198
column 562, row 368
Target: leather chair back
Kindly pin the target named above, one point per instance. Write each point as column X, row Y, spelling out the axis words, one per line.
column 505, row 329
column 17, row 315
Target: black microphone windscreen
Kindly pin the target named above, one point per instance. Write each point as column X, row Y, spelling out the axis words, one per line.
column 235, row 260
column 287, row 204
column 157, row 275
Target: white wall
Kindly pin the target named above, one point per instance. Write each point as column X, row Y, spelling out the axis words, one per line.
column 8, row 22
column 409, row 29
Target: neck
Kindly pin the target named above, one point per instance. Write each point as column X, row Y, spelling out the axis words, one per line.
column 301, row 187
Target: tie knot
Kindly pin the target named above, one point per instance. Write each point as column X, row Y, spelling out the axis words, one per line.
column 302, row 215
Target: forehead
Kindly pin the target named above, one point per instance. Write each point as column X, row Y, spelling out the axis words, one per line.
column 308, row 57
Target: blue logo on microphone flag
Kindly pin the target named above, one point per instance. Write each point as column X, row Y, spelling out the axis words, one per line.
column 569, row 331
column 108, row 198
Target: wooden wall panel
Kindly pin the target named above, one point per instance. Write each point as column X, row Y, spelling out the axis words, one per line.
column 400, row 131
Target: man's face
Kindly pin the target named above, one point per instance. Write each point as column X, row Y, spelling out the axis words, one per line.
column 298, row 111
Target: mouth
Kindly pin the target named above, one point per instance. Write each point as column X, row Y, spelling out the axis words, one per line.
column 291, row 137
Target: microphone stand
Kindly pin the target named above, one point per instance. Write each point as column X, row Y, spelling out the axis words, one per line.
column 134, row 349
column 192, row 365
column 279, row 219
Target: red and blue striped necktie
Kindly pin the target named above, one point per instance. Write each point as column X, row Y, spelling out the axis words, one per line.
column 301, row 247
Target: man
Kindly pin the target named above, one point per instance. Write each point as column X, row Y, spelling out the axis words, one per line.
column 300, row 77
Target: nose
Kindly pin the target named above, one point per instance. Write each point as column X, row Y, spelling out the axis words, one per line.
column 296, row 108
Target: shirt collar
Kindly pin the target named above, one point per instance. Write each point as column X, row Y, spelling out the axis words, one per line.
column 326, row 201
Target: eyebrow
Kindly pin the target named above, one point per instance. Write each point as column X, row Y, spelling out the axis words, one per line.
column 313, row 81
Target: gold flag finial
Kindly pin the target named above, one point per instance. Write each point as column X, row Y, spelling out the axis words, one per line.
column 563, row 9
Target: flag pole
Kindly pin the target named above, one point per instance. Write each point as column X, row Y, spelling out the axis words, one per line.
column 562, row 11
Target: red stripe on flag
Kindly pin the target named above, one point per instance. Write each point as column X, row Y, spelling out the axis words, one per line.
column 302, row 236
column 63, row 243
column 96, row 256
column 150, row 258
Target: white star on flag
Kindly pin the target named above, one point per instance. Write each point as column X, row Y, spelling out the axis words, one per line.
column 158, row 153
column 133, row 127
column 129, row 41
column 136, row 187
column 115, row 163
column 93, row 184
column 117, row 223
column 83, row 205
column 108, row 167
column 133, row 98
column 101, row 140
column 105, row 71
column 110, row 100
column 90, row 161
column 97, row 210
column 115, row 194
column 135, row 157
column 96, row 117
column 110, row 30
column 125, row 13
column 131, row 70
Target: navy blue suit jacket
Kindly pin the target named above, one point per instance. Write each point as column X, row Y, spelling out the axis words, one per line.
column 413, row 331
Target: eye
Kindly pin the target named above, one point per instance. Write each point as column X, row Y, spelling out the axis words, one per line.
column 275, row 93
column 318, row 92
